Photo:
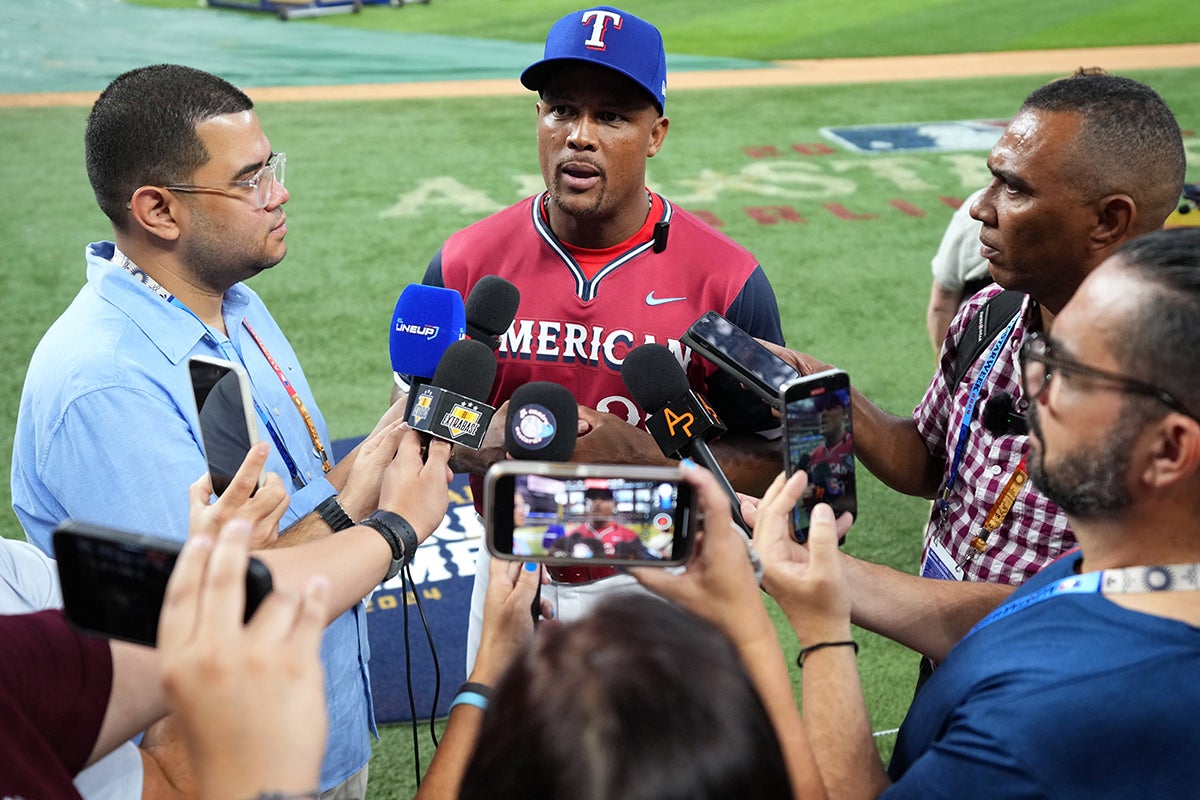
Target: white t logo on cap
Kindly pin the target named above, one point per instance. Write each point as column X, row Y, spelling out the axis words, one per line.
column 599, row 20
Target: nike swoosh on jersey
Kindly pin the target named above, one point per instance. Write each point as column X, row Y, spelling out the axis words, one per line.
column 651, row 300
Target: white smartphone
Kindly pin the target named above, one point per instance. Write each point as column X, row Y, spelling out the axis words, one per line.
column 228, row 421
column 589, row 514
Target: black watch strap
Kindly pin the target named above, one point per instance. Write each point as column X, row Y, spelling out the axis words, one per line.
column 399, row 534
column 334, row 515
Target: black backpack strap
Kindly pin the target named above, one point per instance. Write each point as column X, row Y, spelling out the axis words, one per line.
column 987, row 323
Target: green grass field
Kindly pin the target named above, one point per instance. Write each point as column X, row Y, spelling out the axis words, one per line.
column 376, row 187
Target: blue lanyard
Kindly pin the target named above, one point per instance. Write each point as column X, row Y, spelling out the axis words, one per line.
column 1088, row 583
column 969, row 411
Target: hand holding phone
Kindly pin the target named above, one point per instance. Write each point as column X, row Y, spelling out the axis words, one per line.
column 741, row 355
column 819, row 439
column 583, row 514
column 228, row 421
column 113, row 581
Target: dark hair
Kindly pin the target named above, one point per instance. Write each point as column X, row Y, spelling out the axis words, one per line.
column 142, row 130
column 1129, row 143
column 1162, row 342
column 640, row 700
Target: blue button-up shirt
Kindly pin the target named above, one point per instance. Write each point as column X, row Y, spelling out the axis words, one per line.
column 108, row 433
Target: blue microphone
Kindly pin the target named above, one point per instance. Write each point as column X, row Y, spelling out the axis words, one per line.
column 427, row 320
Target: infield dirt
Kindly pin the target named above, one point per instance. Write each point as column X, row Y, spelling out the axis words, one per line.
column 781, row 73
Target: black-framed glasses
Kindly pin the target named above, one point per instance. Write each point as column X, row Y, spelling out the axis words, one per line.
column 263, row 182
column 1039, row 364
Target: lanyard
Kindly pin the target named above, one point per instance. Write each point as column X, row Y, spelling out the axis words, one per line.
column 944, row 501
column 1000, row 508
column 318, row 448
column 1129, row 580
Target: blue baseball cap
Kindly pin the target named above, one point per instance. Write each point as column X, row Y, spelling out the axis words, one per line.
column 608, row 37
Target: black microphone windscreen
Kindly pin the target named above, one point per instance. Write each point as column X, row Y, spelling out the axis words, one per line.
column 542, row 423
column 491, row 305
column 1000, row 416
column 467, row 368
column 653, row 376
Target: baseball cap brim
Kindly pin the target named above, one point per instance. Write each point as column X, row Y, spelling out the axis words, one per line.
column 536, row 76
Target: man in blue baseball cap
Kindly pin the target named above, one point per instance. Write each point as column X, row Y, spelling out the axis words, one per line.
column 604, row 265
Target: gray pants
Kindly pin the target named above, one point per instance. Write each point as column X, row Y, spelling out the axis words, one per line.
column 353, row 788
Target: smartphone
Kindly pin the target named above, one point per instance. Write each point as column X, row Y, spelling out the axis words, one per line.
column 559, row 514
column 228, row 421
column 819, row 439
column 113, row 581
column 741, row 355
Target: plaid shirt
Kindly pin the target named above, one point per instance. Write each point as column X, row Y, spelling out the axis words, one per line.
column 1035, row 531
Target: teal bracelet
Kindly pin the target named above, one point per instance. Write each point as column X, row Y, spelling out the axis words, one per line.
column 472, row 694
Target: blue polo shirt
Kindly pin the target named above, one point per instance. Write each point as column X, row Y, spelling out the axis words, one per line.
column 107, row 432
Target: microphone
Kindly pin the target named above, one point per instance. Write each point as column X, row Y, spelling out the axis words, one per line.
column 542, row 423
column 679, row 416
column 446, row 407
column 491, row 308
column 1000, row 416
column 427, row 320
column 681, row 420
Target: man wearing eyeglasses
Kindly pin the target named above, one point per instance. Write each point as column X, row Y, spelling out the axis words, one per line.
column 1083, row 683
column 1088, row 163
column 107, row 429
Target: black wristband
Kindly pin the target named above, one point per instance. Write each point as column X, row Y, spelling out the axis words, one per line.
column 821, row 645
column 398, row 534
column 334, row 515
column 478, row 688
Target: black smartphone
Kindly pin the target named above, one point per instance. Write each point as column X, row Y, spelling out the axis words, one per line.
column 819, row 439
column 228, row 421
column 556, row 513
column 741, row 355
column 113, row 582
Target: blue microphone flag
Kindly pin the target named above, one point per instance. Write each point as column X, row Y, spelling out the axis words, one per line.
column 427, row 320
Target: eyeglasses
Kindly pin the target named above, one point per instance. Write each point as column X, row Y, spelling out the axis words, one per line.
column 263, row 182
column 1039, row 365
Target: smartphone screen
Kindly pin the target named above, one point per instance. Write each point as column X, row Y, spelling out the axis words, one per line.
column 819, row 439
column 113, row 582
column 591, row 519
column 740, row 354
column 228, row 426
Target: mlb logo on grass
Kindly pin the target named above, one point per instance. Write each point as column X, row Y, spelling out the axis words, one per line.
column 919, row 137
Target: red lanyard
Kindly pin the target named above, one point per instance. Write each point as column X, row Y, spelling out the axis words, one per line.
column 318, row 448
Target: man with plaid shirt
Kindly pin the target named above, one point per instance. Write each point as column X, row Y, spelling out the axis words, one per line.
column 1088, row 162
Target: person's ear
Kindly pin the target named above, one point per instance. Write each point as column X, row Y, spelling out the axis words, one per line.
column 657, row 134
column 155, row 210
column 1174, row 451
column 1116, row 215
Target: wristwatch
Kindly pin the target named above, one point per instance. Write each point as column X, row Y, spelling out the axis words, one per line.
column 334, row 515
column 398, row 533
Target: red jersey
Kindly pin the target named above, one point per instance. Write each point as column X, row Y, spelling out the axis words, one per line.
column 575, row 331
column 842, row 453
